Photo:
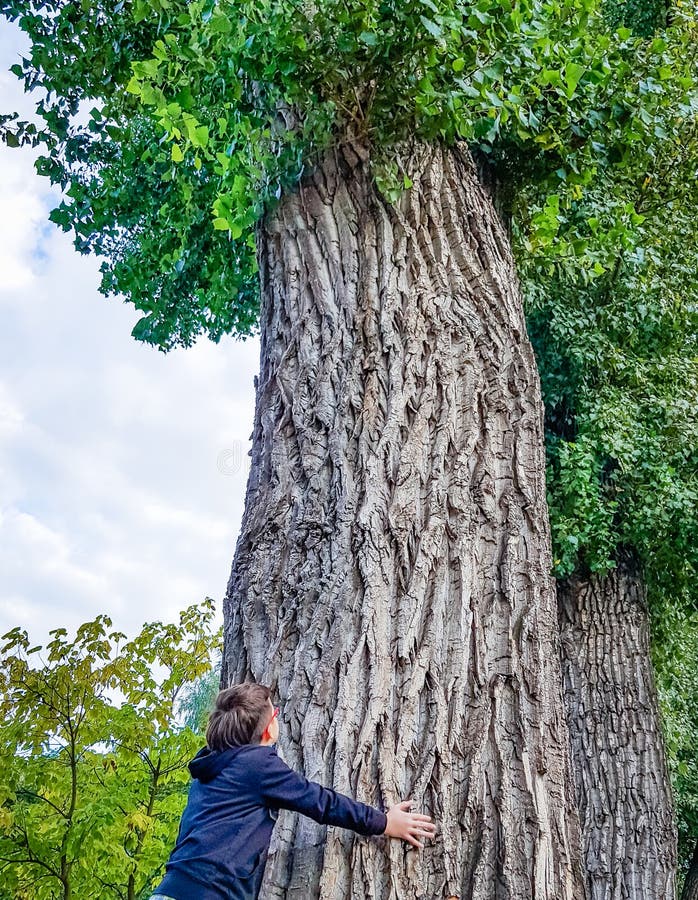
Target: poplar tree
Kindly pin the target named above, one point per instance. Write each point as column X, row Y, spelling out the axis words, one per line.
column 619, row 364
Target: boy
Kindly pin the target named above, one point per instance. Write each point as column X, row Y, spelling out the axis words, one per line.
column 239, row 783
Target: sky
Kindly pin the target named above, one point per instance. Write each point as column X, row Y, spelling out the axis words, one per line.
column 122, row 469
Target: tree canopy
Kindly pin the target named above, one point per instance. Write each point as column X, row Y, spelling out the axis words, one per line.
column 619, row 365
column 172, row 125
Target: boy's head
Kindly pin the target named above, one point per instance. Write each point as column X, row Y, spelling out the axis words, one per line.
column 243, row 715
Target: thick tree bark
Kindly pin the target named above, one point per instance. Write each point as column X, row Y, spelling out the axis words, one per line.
column 391, row 579
column 623, row 788
column 690, row 885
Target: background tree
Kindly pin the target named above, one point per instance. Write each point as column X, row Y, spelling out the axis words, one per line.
column 399, row 418
column 93, row 758
column 618, row 362
column 198, row 699
column 675, row 654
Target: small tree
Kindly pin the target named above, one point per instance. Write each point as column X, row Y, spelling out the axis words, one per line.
column 93, row 757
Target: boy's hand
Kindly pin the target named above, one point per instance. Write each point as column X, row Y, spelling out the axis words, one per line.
column 408, row 826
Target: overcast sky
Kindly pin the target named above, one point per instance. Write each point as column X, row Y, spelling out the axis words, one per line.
column 122, row 469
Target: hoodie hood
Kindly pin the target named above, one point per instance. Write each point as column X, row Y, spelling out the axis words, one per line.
column 209, row 763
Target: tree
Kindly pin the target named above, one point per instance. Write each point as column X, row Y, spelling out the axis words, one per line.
column 618, row 752
column 401, row 582
column 391, row 578
column 618, row 363
column 198, row 700
column 93, row 787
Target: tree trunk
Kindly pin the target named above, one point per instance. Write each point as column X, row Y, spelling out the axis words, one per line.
column 690, row 885
column 391, row 579
column 623, row 786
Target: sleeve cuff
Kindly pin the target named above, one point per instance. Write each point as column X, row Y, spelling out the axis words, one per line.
column 381, row 822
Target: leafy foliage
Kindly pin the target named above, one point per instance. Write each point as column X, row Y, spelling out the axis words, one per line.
column 93, row 786
column 618, row 357
column 203, row 112
column 198, row 698
column 645, row 17
column 675, row 657
column 612, row 310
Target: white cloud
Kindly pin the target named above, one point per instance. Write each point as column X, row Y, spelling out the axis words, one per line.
column 11, row 417
column 23, row 219
column 24, row 198
column 26, row 536
column 122, row 470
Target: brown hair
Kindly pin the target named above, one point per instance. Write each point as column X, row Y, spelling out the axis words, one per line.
column 240, row 716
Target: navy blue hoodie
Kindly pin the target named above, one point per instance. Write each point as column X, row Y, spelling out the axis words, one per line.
column 226, row 827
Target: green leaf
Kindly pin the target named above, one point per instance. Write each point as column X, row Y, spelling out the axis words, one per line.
column 220, row 24
column 573, row 73
column 432, row 27
column 200, row 136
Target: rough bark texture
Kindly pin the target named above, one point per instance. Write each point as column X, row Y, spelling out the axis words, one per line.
column 690, row 885
column 623, row 786
column 391, row 576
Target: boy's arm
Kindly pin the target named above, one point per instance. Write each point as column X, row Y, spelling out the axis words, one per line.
column 283, row 788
